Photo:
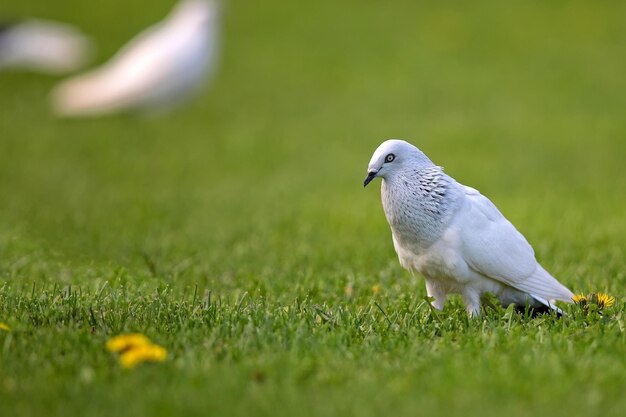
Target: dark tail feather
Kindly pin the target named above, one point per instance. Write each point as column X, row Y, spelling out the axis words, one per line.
column 534, row 312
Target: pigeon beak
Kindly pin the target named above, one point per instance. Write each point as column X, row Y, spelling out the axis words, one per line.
column 370, row 176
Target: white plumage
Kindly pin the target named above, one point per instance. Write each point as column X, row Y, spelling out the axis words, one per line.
column 160, row 67
column 43, row 46
column 455, row 237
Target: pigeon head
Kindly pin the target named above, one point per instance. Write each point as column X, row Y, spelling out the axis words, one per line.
column 394, row 156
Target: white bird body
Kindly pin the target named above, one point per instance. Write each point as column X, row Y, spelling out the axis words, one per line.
column 455, row 237
column 43, row 46
column 161, row 66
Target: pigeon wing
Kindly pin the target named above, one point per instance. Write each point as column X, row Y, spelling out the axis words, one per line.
column 493, row 247
column 159, row 64
column 123, row 82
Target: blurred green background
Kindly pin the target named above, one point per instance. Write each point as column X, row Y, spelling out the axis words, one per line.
column 256, row 187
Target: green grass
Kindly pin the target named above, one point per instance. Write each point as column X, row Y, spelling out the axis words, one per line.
column 228, row 231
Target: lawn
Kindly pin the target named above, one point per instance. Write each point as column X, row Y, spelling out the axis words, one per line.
column 236, row 233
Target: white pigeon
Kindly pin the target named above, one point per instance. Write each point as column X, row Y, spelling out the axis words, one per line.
column 456, row 237
column 43, row 46
column 160, row 67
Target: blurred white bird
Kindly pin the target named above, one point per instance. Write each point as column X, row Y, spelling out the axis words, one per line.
column 43, row 46
column 160, row 67
column 455, row 236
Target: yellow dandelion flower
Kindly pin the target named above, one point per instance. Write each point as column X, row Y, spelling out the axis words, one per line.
column 139, row 354
column 4, row 327
column 125, row 342
column 601, row 300
column 604, row 300
column 376, row 288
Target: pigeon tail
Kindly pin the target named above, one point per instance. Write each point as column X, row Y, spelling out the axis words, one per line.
column 543, row 286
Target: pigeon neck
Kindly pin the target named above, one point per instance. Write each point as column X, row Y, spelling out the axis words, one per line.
column 418, row 203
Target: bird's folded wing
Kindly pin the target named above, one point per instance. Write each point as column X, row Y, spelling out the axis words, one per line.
column 493, row 247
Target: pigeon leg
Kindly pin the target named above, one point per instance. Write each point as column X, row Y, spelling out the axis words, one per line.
column 434, row 290
column 471, row 298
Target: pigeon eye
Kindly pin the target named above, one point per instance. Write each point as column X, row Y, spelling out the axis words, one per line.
column 390, row 157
